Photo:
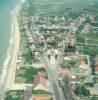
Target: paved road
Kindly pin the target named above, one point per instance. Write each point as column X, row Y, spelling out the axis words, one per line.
column 53, row 79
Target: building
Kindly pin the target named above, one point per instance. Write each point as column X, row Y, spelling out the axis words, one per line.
column 71, row 41
column 42, row 97
column 94, row 90
column 96, row 69
column 82, row 64
column 96, row 60
column 41, row 81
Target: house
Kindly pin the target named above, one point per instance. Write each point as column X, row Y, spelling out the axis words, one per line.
column 71, row 40
column 61, row 43
column 78, row 72
column 43, row 97
column 96, row 69
column 42, row 84
column 37, row 55
column 50, row 38
column 26, row 20
column 96, row 60
column 41, row 81
column 88, row 80
column 65, row 73
column 93, row 90
column 82, row 64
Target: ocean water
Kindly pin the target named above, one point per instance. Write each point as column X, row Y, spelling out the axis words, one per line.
column 6, row 7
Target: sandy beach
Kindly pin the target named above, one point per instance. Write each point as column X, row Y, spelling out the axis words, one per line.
column 12, row 64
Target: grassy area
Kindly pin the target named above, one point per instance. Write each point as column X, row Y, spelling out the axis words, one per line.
column 89, row 84
column 90, row 39
column 80, row 39
column 96, row 79
column 28, row 55
column 14, row 95
column 26, row 74
column 40, row 92
column 94, row 97
column 55, row 6
column 18, row 95
column 81, row 90
column 90, row 50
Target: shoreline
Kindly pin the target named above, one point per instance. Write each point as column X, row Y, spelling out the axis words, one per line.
column 8, row 56
column 9, row 65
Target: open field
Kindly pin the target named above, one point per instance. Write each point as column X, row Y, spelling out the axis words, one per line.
column 58, row 6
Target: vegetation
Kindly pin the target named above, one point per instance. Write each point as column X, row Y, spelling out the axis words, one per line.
column 14, row 95
column 90, row 51
column 80, row 39
column 28, row 55
column 81, row 90
column 41, row 92
column 26, row 74
column 70, row 49
column 72, row 63
column 89, row 84
column 94, row 97
column 96, row 79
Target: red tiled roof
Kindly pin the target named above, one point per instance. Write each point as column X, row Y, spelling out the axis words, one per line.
column 96, row 68
column 92, row 90
column 81, row 62
column 42, row 97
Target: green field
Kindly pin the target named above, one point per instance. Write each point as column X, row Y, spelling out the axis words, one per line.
column 58, row 6
column 14, row 95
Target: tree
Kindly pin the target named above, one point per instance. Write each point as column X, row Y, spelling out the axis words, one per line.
column 28, row 55
column 94, row 98
column 81, row 90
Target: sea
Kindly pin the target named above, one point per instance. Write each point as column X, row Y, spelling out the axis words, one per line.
column 6, row 8
column 6, row 15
